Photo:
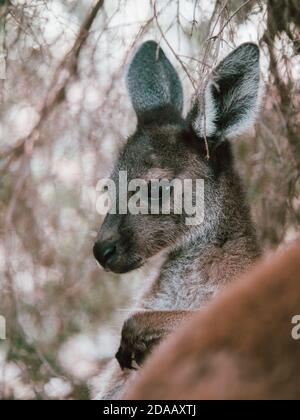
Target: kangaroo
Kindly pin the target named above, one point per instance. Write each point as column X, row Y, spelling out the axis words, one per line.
column 199, row 260
column 245, row 345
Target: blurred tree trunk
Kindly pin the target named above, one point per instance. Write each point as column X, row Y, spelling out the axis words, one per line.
column 284, row 18
column 3, row 13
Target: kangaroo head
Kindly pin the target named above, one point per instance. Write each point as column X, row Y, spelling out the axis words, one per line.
column 168, row 146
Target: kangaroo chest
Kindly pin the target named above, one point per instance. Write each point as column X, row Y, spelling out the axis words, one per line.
column 176, row 288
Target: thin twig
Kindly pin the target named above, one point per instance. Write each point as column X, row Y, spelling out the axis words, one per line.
column 153, row 2
column 229, row 19
column 57, row 88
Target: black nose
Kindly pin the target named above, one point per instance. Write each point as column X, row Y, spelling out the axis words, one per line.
column 104, row 252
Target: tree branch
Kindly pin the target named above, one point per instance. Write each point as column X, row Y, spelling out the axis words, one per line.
column 55, row 93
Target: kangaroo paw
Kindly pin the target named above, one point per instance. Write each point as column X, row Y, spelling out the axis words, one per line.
column 136, row 342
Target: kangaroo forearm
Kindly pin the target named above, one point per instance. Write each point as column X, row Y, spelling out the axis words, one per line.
column 143, row 331
column 163, row 321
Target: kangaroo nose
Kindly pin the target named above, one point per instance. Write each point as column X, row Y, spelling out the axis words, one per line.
column 104, row 252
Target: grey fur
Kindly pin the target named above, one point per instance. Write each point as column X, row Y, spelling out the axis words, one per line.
column 199, row 260
column 232, row 95
column 152, row 81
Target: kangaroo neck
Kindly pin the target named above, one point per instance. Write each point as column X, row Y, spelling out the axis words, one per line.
column 195, row 272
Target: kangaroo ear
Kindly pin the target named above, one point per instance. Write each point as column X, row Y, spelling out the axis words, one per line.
column 152, row 81
column 231, row 97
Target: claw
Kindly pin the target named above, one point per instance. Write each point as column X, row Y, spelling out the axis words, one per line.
column 136, row 344
column 135, row 365
column 125, row 359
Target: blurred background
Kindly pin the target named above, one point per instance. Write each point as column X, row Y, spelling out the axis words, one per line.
column 64, row 114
